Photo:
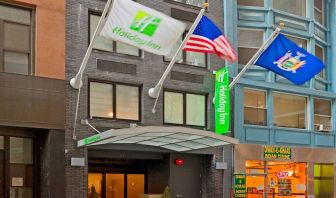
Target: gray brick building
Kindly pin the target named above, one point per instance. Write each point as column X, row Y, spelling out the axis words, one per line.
column 124, row 72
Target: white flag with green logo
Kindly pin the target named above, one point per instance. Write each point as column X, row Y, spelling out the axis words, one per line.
column 132, row 23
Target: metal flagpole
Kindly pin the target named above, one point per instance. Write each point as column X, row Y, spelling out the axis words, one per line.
column 155, row 92
column 257, row 54
column 76, row 82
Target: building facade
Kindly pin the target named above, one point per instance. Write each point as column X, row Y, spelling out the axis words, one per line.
column 114, row 99
column 32, row 94
column 271, row 115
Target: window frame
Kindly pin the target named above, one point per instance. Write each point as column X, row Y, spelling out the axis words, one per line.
column 307, row 120
column 249, row 47
column 298, row 37
column 114, row 102
column 184, row 100
column 263, row 2
column 322, row 115
column 184, row 58
column 114, row 43
column 322, row 13
column 266, row 105
column 186, row 4
column 324, row 70
column 31, row 51
column 306, row 10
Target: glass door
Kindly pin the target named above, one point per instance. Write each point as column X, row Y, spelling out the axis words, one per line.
column 2, row 167
column 21, row 167
column 115, row 186
column 135, row 185
column 95, row 182
column 255, row 186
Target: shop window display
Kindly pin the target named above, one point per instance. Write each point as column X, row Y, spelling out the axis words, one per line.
column 276, row 179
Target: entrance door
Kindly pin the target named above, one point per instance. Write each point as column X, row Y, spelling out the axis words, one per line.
column 115, row 185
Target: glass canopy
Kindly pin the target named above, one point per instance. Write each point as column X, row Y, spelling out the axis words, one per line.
column 172, row 138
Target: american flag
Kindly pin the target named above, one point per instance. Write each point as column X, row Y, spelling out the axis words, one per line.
column 207, row 38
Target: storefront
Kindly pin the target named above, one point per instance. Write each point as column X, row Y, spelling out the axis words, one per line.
column 284, row 171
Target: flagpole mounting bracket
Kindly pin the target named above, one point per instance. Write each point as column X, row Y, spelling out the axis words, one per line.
column 154, row 92
column 76, row 83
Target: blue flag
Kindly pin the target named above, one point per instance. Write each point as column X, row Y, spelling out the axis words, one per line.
column 287, row 59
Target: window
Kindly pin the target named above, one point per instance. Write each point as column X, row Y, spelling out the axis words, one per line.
column 198, row 3
column 299, row 41
column 191, row 58
column 297, row 7
column 258, row 3
column 21, row 167
column 323, row 180
column 319, row 11
column 290, row 111
column 106, row 44
column 255, row 111
column 15, row 40
column 184, row 108
column 319, row 52
column 114, row 101
column 322, row 115
column 249, row 41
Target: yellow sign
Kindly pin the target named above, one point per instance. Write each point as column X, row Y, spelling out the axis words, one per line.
column 277, row 152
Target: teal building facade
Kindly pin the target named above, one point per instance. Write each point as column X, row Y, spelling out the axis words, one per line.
column 269, row 110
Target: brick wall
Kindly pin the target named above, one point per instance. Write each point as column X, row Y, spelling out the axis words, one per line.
column 148, row 71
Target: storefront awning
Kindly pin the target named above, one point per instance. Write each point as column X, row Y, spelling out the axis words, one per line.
column 173, row 138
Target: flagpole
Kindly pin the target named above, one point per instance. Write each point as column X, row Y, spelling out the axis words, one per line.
column 257, row 54
column 76, row 82
column 155, row 92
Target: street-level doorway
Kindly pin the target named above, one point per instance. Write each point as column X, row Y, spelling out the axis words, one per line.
column 16, row 167
column 109, row 185
column 116, row 179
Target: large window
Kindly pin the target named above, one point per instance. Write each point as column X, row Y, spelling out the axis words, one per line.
column 198, row 3
column 115, row 101
column 322, row 115
column 106, row 44
column 255, row 111
column 15, row 40
column 249, row 41
column 290, row 111
column 184, row 108
column 319, row 11
column 258, row 3
column 297, row 7
column 319, row 52
column 324, row 180
column 190, row 58
column 284, row 179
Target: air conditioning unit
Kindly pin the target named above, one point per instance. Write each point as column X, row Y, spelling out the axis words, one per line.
column 322, row 127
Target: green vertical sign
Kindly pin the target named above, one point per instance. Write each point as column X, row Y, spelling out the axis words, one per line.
column 239, row 185
column 222, row 101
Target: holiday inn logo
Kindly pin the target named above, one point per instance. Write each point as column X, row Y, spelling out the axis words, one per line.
column 145, row 23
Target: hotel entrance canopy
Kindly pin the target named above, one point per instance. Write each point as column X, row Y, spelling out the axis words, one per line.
column 178, row 139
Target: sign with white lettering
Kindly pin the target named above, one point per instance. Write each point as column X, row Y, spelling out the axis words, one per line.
column 222, row 101
column 239, row 185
